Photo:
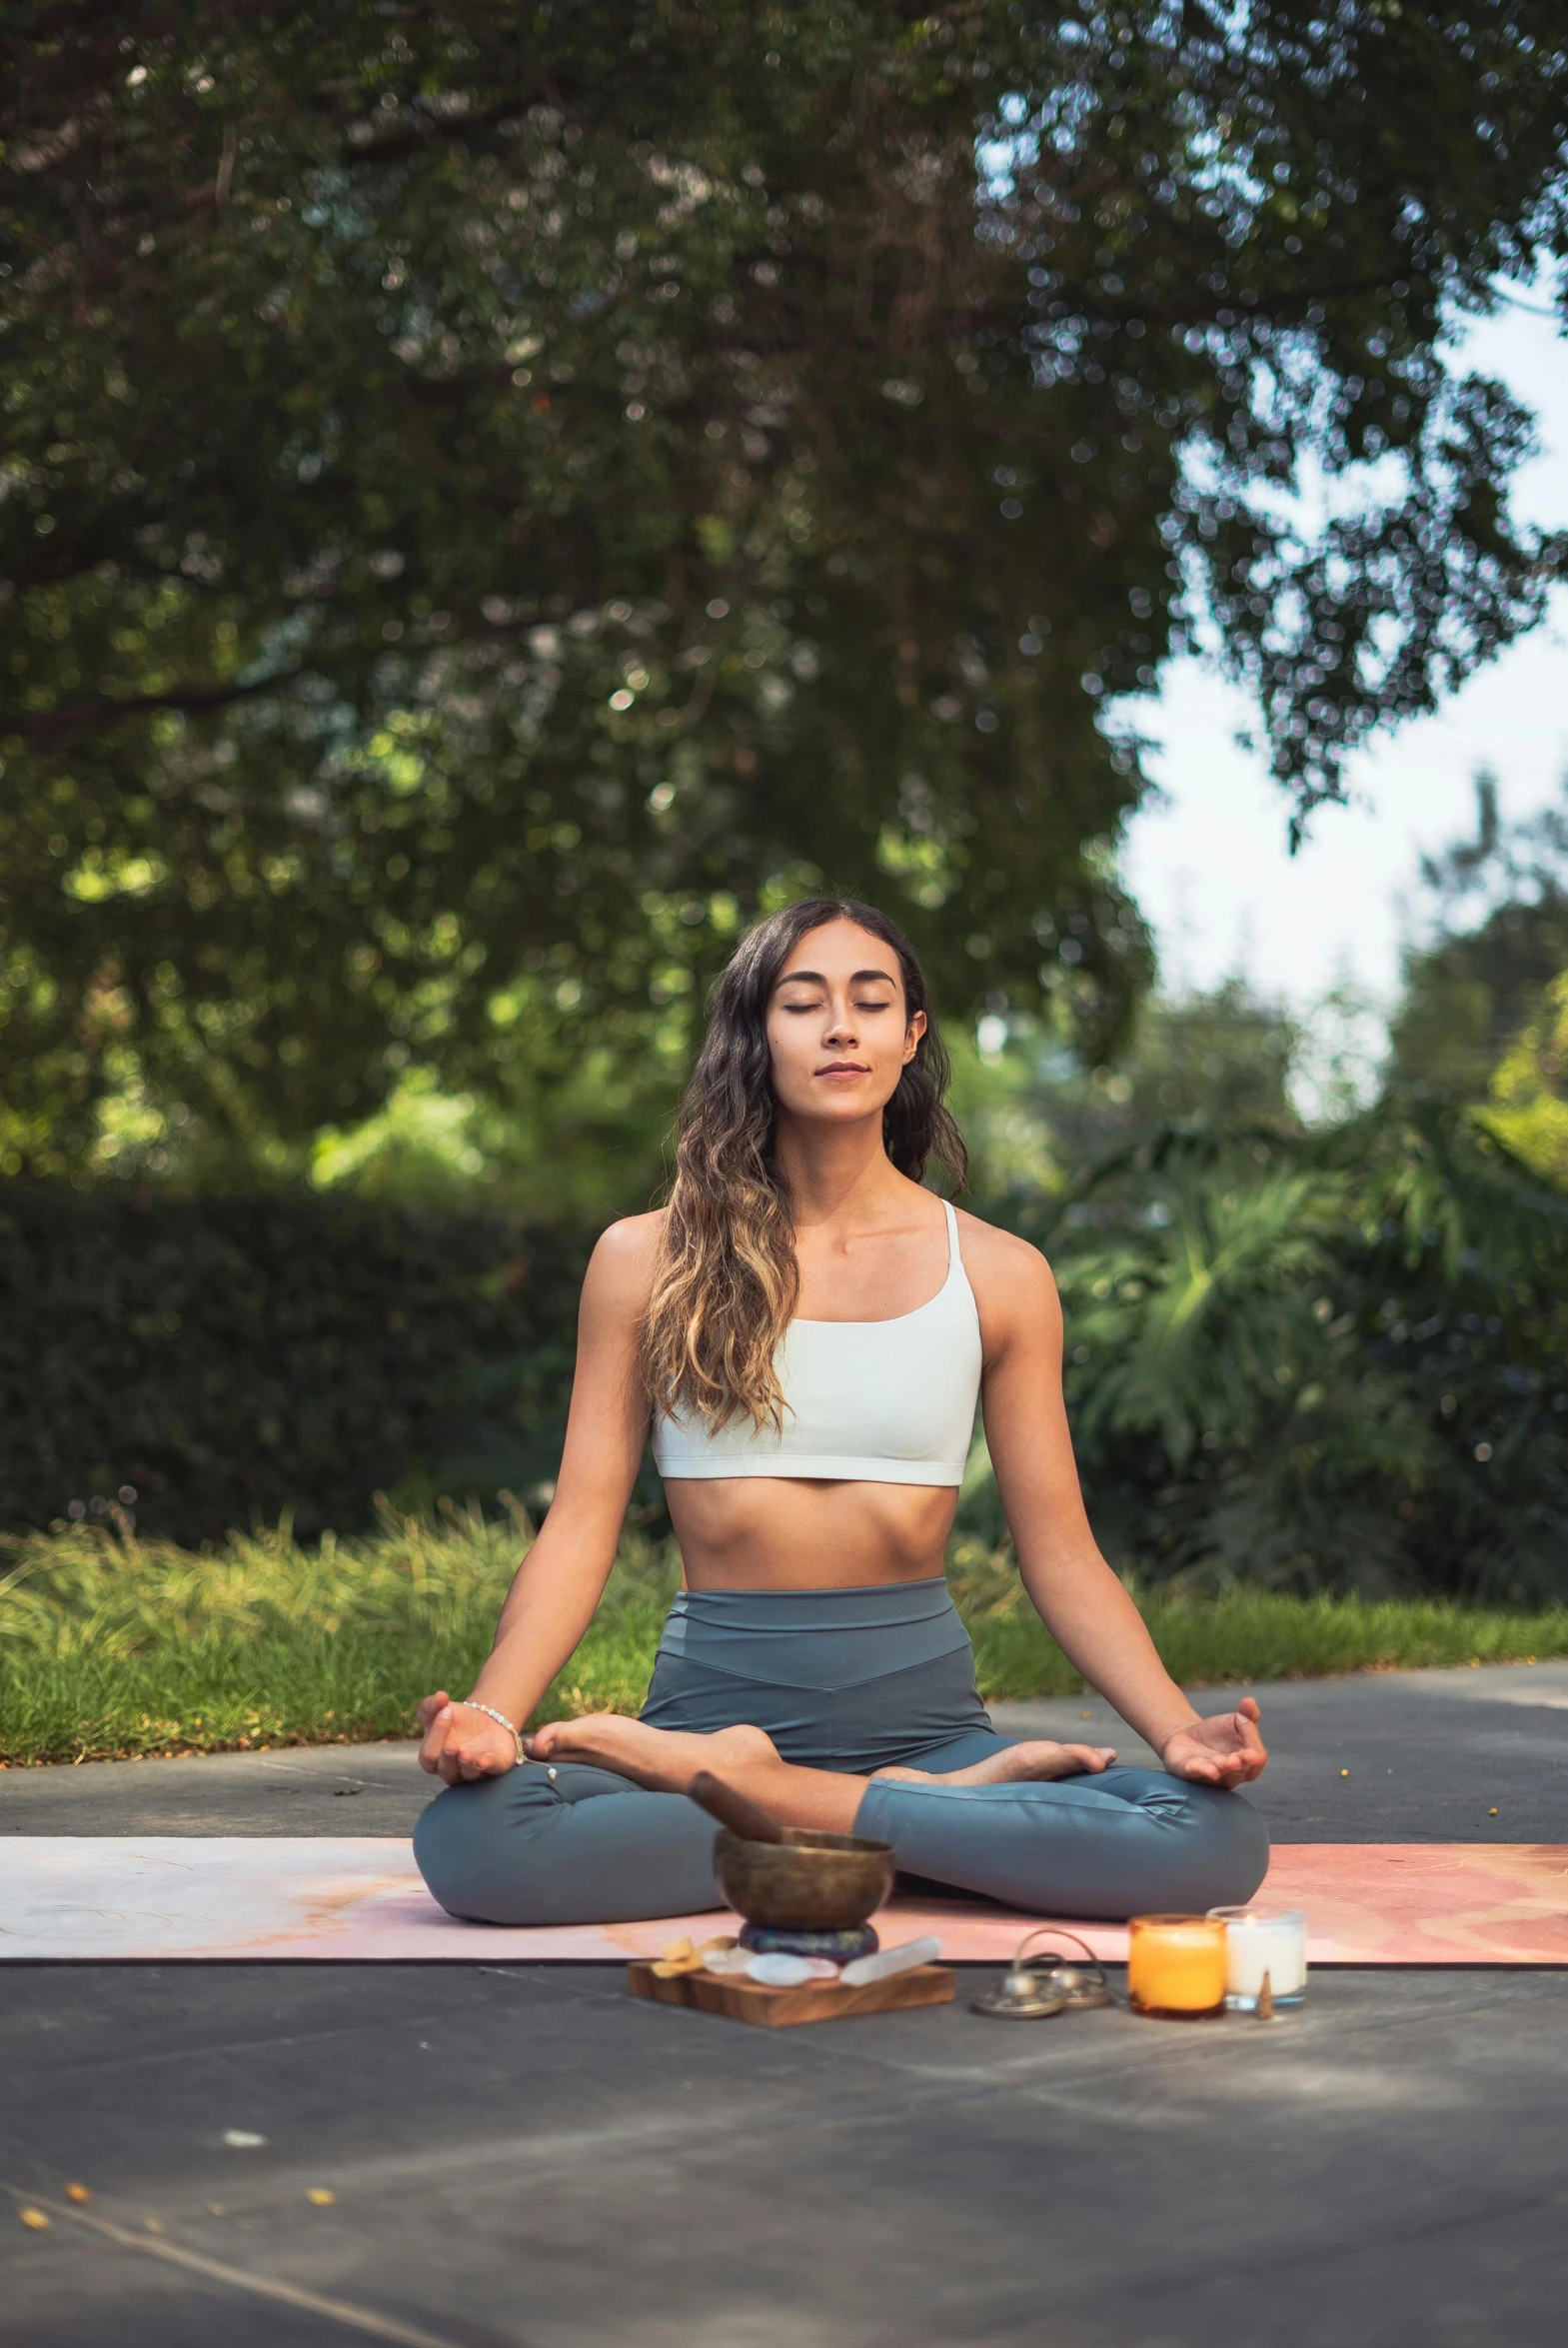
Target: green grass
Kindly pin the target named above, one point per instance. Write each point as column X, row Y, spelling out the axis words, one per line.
column 1243, row 1634
column 109, row 1648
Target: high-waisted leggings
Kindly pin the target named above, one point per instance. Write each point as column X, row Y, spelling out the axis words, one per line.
column 846, row 1679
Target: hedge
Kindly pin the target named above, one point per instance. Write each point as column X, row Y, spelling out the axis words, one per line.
column 233, row 1360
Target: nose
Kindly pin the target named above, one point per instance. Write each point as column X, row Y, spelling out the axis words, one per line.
column 841, row 1026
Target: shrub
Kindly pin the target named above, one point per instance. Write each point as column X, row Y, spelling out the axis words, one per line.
column 1321, row 1362
column 235, row 1359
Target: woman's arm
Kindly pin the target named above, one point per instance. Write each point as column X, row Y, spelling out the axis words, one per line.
column 561, row 1581
column 1079, row 1600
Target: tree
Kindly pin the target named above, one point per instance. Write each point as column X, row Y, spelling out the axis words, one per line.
column 1528, row 1106
column 495, row 496
column 1501, row 938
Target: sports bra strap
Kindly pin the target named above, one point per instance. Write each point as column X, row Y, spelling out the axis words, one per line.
column 954, row 1258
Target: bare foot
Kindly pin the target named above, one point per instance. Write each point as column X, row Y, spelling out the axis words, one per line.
column 665, row 1759
column 1037, row 1758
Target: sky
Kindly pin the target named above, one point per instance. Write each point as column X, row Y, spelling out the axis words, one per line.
column 1209, row 860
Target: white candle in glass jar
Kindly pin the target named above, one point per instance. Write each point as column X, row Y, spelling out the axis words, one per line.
column 1263, row 1940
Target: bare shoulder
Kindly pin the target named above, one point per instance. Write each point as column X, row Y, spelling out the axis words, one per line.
column 1011, row 1280
column 993, row 1252
column 621, row 1270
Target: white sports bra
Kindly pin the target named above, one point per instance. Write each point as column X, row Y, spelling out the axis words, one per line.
column 866, row 1402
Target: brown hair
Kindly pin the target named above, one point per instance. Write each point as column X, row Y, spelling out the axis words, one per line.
column 727, row 1280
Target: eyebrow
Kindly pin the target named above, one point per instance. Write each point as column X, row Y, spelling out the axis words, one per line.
column 858, row 977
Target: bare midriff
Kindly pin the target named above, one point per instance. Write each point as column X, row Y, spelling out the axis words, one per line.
column 796, row 1533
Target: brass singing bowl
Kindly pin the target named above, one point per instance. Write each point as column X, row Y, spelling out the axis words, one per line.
column 814, row 1882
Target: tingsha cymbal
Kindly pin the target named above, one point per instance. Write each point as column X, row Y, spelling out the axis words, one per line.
column 1021, row 1997
column 1057, row 1985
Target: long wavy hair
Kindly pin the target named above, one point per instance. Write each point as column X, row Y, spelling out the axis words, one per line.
column 726, row 1279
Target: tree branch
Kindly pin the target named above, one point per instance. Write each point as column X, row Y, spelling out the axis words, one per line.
column 102, row 710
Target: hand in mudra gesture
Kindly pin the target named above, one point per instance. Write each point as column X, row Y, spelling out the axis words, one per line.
column 1226, row 1749
column 460, row 1742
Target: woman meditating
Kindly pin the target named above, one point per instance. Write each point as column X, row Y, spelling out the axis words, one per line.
column 809, row 1329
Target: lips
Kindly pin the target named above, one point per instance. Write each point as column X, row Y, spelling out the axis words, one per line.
column 843, row 1067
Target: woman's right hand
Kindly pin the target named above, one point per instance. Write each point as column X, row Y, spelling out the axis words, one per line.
column 461, row 1742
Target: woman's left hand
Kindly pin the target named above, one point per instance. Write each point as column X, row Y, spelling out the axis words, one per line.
column 1226, row 1749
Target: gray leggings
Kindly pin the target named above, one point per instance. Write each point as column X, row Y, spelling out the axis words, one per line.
column 847, row 1680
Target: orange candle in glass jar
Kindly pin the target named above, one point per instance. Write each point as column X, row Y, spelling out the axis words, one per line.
column 1176, row 1966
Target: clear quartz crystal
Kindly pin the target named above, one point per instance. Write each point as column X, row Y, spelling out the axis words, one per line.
column 779, row 1971
column 882, row 1965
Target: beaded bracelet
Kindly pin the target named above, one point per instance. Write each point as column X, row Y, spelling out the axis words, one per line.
column 500, row 1719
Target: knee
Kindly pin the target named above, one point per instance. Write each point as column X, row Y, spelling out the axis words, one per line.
column 469, row 1841
column 1225, row 1854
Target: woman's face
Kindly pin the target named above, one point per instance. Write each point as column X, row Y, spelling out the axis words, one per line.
column 839, row 1030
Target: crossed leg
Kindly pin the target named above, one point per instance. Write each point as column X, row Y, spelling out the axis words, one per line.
column 618, row 1839
column 667, row 1760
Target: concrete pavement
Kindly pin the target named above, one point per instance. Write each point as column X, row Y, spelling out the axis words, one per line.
column 520, row 2156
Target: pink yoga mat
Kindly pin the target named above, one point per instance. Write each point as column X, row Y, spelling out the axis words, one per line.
column 165, row 1899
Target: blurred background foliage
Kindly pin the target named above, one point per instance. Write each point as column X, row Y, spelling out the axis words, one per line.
column 222, row 1360
column 1314, row 1350
column 495, row 496
column 493, row 499
column 1318, row 1310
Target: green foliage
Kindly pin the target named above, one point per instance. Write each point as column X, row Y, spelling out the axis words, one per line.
column 228, row 1358
column 1310, row 1359
column 1501, row 938
column 1248, row 1634
column 1326, row 1360
column 1318, row 1356
column 494, row 496
column 1036, row 1113
column 1484, row 1015
column 575, row 1153
column 1528, row 1108
column 110, row 1647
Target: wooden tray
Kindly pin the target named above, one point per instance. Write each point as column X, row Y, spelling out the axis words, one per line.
column 776, row 2009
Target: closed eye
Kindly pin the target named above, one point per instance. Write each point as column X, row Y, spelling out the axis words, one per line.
column 861, row 1002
